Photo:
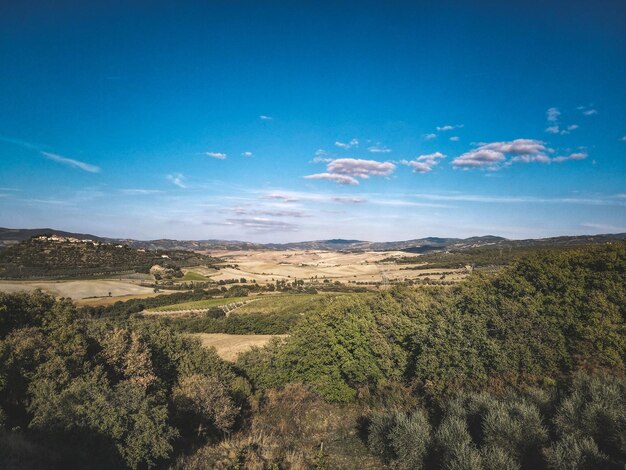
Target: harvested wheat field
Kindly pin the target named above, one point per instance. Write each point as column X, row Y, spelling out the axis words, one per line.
column 271, row 265
column 82, row 289
column 230, row 346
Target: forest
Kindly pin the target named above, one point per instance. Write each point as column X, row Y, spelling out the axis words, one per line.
column 522, row 368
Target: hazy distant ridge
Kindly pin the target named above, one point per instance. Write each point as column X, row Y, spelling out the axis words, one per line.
column 420, row 245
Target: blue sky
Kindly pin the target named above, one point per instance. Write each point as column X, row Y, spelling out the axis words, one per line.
column 283, row 121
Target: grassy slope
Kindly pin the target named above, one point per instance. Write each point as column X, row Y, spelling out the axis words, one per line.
column 199, row 304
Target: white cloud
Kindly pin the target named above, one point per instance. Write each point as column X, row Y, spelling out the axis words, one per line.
column 449, row 127
column 478, row 158
column 178, row 179
column 553, row 129
column 341, row 179
column 218, row 155
column 424, row 163
column 572, row 127
column 552, row 114
column 71, row 162
column 590, row 112
column 246, row 154
column 573, row 156
column 263, row 117
column 378, row 149
column 360, row 168
column 454, row 138
column 347, row 145
column 623, row 139
column 320, row 153
column 492, row 155
column 430, row 136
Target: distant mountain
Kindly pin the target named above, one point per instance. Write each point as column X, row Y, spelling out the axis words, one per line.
column 420, row 245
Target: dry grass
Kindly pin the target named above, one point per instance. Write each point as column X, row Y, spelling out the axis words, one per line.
column 230, row 346
column 269, row 266
column 105, row 301
column 81, row 289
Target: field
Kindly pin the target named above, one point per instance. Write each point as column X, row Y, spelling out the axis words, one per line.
column 82, row 289
column 262, row 267
column 230, row 346
column 269, row 266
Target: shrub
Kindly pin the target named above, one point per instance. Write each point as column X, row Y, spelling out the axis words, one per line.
column 572, row 452
column 596, row 409
column 400, row 439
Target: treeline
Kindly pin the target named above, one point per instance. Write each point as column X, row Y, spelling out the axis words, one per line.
column 215, row 321
column 485, row 256
column 37, row 258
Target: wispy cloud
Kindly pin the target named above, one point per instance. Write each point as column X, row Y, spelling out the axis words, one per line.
column 140, row 192
column 246, row 154
column 378, row 148
column 588, row 110
column 449, row 127
column 593, row 200
column 454, row 138
column 218, row 155
column 269, row 212
column 552, row 114
column 424, row 163
column 347, row 145
column 53, row 156
column 285, row 197
column 263, row 117
column 261, row 224
column 572, row 156
column 21, row 143
column 71, row 162
column 341, row 179
column 301, row 196
column 178, row 179
column 430, row 136
column 349, row 200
